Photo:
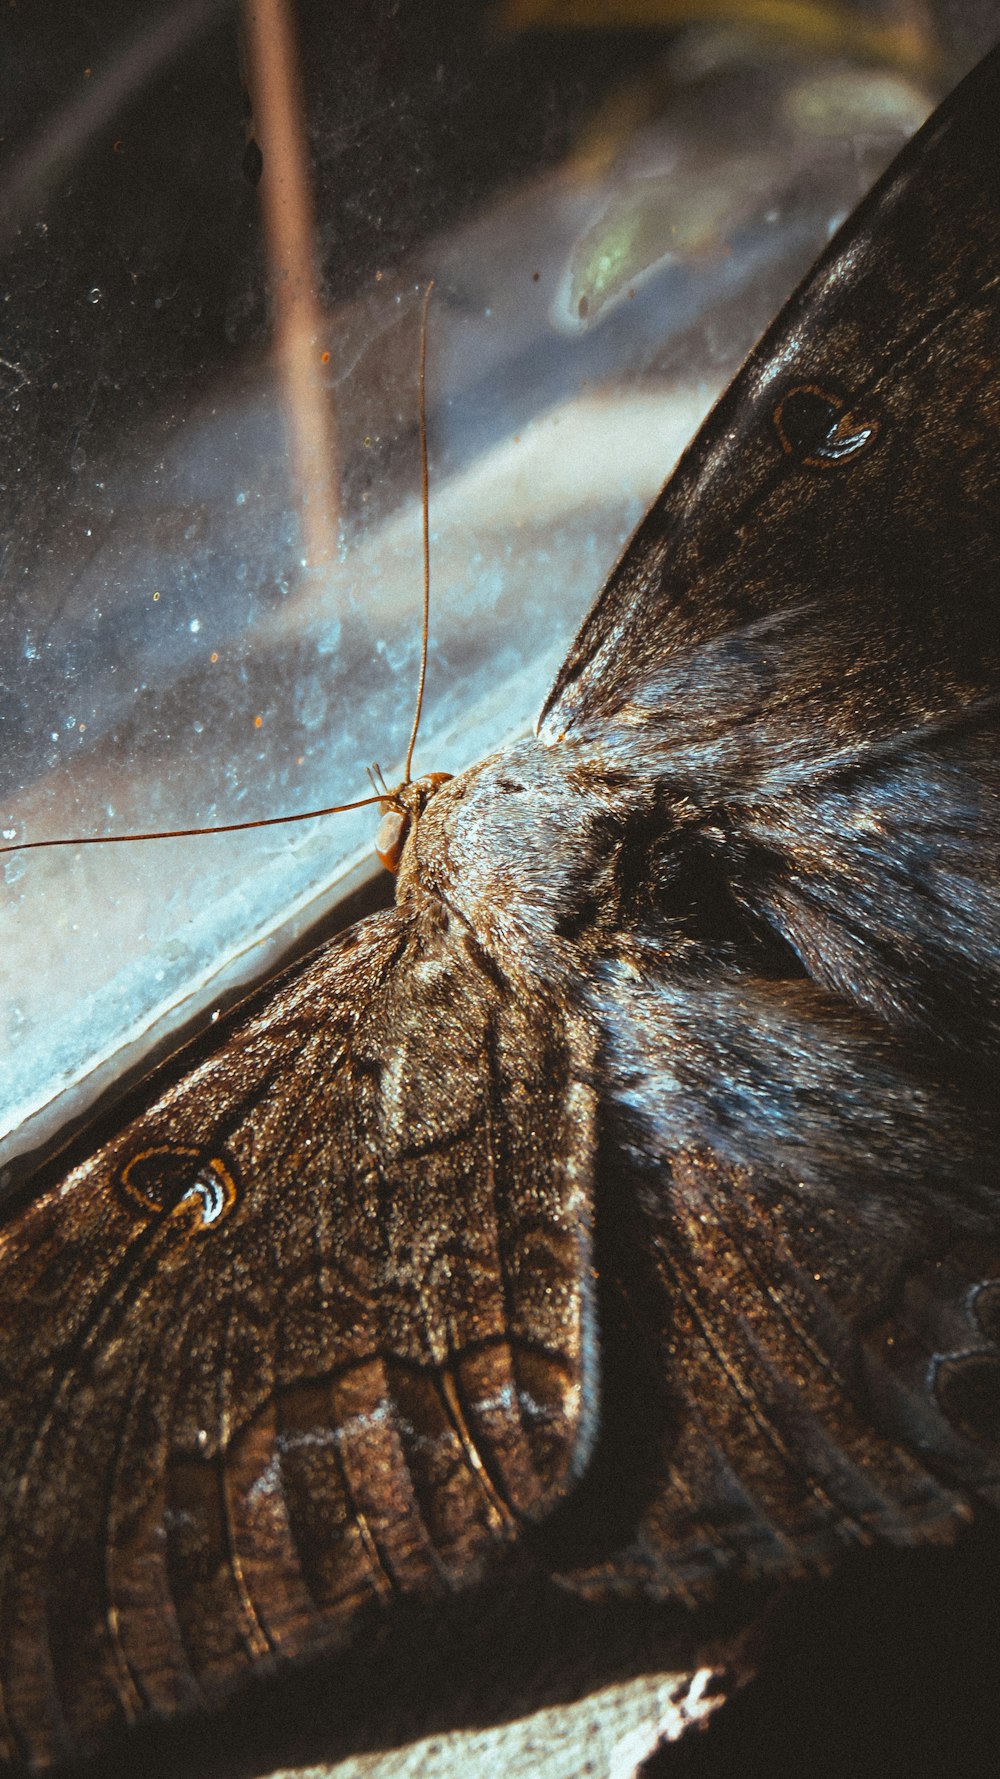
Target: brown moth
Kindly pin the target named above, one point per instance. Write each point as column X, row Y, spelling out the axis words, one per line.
column 646, row 1151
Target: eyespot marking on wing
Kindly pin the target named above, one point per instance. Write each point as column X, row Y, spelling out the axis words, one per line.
column 819, row 430
column 183, row 1183
column 967, row 1389
column 984, row 1305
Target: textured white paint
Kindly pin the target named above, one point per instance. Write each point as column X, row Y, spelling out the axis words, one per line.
column 605, row 1736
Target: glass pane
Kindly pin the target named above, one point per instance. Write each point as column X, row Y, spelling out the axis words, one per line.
column 211, row 549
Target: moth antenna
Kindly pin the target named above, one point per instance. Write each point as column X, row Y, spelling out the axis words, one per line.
column 374, row 772
column 264, row 821
column 425, row 502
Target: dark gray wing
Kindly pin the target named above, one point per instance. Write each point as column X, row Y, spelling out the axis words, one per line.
column 793, row 679
column 799, row 654
column 850, row 470
column 311, row 1331
column 798, row 1219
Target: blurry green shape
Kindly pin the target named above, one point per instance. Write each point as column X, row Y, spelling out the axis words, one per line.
column 667, row 216
column 846, row 102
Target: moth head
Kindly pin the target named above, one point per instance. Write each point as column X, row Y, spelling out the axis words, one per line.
column 399, row 810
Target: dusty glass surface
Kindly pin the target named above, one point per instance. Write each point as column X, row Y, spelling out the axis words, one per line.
column 191, row 634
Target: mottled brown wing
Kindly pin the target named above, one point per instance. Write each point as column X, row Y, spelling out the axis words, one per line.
column 821, row 1388
column 799, row 1224
column 756, row 1337
column 311, row 1331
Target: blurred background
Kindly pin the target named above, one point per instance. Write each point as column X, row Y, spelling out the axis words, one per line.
column 213, row 262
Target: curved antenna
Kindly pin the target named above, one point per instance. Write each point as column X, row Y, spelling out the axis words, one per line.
column 304, row 815
column 265, row 821
column 425, row 501
column 377, row 782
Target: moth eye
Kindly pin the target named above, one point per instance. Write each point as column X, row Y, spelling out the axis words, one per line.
column 390, row 838
column 967, row 1387
column 185, row 1183
column 819, row 430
